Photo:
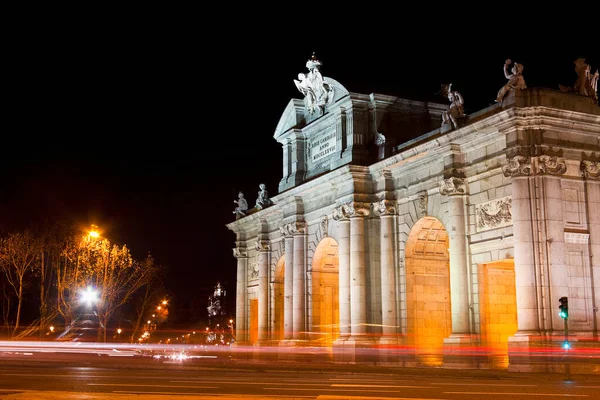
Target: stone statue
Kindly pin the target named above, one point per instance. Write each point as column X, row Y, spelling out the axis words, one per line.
column 242, row 207
column 586, row 83
column 456, row 109
column 515, row 80
column 263, row 200
column 317, row 92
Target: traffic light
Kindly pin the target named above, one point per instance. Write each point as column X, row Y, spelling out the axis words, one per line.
column 563, row 307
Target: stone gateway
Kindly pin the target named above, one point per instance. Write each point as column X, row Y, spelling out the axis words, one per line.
column 432, row 241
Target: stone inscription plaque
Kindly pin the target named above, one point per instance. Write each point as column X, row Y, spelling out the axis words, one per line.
column 323, row 146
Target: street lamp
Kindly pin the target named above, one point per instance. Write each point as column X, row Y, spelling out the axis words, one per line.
column 94, row 232
column 89, row 296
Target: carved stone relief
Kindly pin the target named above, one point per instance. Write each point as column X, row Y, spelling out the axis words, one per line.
column 453, row 186
column 325, row 226
column 253, row 270
column 552, row 165
column 422, row 203
column 517, row 166
column 263, row 245
column 493, row 214
column 590, row 169
column 352, row 209
column 384, row 207
column 240, row 252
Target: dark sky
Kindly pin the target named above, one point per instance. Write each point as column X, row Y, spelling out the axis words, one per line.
column 148, row 128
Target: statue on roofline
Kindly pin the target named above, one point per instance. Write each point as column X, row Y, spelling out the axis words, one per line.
column 456, row 110
column 586, row 83
column 515, row 80
column 317, row 92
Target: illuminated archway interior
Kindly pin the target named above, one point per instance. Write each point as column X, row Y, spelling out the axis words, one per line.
column 278, row 287
column 325, row 292
column 429, row 318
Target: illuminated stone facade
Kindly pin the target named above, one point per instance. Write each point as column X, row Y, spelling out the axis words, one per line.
column 390, row 230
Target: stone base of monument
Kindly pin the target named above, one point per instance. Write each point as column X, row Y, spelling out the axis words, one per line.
column 462, row 351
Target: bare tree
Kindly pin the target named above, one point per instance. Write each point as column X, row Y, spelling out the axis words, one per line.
column 18, row 255
column 149, row 294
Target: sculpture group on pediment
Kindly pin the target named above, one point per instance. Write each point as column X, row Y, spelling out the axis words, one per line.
column 586, row 83
column 456, row 110
column 515, row 79
column 316, row 90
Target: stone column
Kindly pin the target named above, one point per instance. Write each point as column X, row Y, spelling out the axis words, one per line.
column 343, row 220
column 386, row 210
column 358, row 276
column 288, row 288
column 456, row 189
column 298, row 229
column 263, row 247
column 591, row 171
column 241, row 319
column 519, row 168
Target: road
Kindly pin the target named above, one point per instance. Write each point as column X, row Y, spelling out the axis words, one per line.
column 64, row 372
column 284, row 382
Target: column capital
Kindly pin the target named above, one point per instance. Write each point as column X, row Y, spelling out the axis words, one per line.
column 517, row 166
column 263, row 245
column 384, row 208
column 453, row 186
column 240, row 252
column 590, row 169
column 551, row 165
column 351, row 210
column 293, row 228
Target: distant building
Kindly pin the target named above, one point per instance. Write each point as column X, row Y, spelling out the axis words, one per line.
column 217, row 305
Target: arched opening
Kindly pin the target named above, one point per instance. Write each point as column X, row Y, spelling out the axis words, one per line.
column 277, row 333
column 498, row 309
column 253, row 336
column 429, row 318
column 325, row 292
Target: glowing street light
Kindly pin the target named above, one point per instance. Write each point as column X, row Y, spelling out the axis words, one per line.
column 94, row 232
column 119, row 331
column 164, row 302
column 89, row 296
column 51, row 328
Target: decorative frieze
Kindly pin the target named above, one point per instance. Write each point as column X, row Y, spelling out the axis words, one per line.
column 590, row 169
column 263, row 245
column 352, row 209
column 453, row 186
column 240, row 252
column 493, row 214
column 517, row 166
column 384, row 207
column 552, row 165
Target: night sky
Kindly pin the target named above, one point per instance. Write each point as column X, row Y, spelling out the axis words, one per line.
column 150, row 131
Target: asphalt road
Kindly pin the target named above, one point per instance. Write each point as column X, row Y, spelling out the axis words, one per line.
column 71, row 376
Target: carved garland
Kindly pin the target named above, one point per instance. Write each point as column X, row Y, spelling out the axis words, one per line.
column 590, row 169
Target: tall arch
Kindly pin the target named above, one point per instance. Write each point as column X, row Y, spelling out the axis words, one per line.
column 429, row 318
column 278, row 293
column 325, row 292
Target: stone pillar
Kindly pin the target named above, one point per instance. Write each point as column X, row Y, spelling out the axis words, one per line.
column 298, row 229
column 344, row 270
column 241, row 319
column 263, row 247
column 386, row 210
column 591, row 171
column 456, row 189
column 358, row 276
column 526, row 287
column 288, row 286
